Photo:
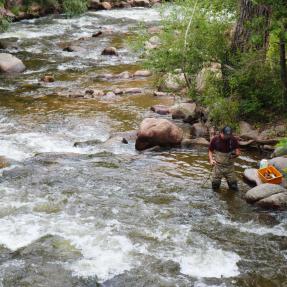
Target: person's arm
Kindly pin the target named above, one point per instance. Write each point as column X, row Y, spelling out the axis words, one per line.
column 211, row 159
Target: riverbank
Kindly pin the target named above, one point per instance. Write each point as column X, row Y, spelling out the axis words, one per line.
column 19, row 10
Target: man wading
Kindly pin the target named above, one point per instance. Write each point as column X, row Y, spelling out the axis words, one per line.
column 223, row 150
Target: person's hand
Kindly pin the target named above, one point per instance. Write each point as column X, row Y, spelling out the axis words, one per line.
column 212, row 162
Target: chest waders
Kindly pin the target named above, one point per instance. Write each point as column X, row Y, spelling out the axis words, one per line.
column 224, row 167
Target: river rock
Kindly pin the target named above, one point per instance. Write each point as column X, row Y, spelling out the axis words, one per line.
column 110, row 51
column 161, row 132
column 97, row 34
column 213, row 70
column 153, row 43
column 95, row 4
column 106, row 5
column 10, row 64
column 184, row 111
column 251, row 175
column 124, row 75
column 160, row 109
column 276, row 201
column 280, row 151
column 279, row 162
column 142, row 73
column 173, row 82
column 133, row 91
column 74, row 48
column 142, row 3
column 247, row 132
column 48, row 79
column 199, row 130
column 187, row 143
column 263, row 191
column 9, row 43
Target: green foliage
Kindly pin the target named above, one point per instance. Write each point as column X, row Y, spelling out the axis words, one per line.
column 4, row 24
column 250, row 87
column 74, row 7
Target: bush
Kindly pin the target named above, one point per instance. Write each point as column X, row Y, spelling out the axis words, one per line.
column 74, row 7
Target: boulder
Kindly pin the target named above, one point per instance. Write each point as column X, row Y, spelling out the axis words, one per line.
column 158, row 132
column 279, row 162
column 160, row 109
column 263, row 191
column 213, row 70
column 280, row 151
column 142, row 3
column 199, row 130
column 276, row 201
column 95, row 4
column 110, row 51
column 142, row 73
column 184, row 111
column 106, row 6
column 251, row 175
column 173, row 82
column 247, row 132
column 9, row 43
column 10, row 64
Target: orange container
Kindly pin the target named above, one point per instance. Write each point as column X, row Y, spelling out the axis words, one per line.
column 270, row 170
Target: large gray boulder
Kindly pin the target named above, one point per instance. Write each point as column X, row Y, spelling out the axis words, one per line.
column 10, row 64
column 247, row 132
column 263, row 191
column 158, row 132
column 251, row 175
column 279, row 162
column 199, row 130
column 275, row 201
column 280, row 151
column 211, row 71
column 185, row 111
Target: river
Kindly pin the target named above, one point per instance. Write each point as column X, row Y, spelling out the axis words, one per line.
column 105, row 214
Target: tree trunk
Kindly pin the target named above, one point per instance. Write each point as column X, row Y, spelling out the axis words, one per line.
column 245, row 27
column 283, row 68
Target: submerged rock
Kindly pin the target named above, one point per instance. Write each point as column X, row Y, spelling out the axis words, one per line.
column 48, row 79
column 10, row 64
column 74, row 48
column 110, row 51
column 158, row 132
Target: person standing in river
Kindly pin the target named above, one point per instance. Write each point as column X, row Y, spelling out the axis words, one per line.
column 223, row 150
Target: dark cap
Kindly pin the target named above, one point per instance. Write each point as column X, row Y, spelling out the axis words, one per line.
column 227, row 131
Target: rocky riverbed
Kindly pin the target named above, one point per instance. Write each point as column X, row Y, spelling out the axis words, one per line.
column 80, row 206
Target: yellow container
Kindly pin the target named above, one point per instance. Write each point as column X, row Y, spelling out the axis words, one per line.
column 265, row 175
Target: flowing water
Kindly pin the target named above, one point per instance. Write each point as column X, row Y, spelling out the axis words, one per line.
column 104, row 214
